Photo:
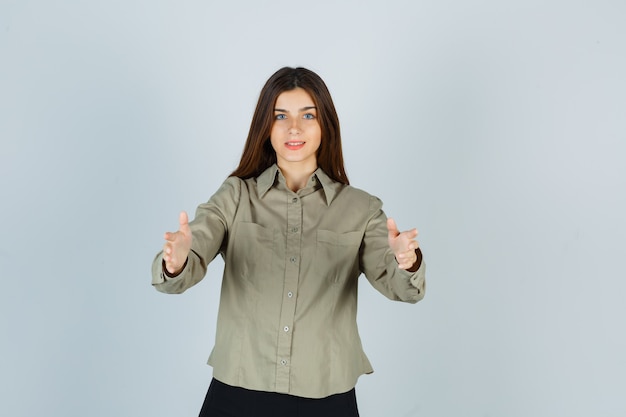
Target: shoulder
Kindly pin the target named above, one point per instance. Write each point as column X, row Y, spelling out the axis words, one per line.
column 360, row 197
column 352, row 192
column 230, row 189
column 231, row 182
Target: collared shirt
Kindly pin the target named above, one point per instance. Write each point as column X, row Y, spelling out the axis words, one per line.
column 287, row 314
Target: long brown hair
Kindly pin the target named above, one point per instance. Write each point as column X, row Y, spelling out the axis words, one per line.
column 258, row 154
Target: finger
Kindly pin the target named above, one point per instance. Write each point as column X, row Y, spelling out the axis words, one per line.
column 183, row 219
column 411, row 234
column 406, row 260
column 406, row 256
column 168, row 252
column 392, row 228
column 405, row 265
column 172, row 262
column 170, row 236
column 408, row 239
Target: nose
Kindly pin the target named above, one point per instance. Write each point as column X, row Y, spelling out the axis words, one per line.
column 294, row 129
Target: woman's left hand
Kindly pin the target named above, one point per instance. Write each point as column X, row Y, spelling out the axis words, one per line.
column 403, row 245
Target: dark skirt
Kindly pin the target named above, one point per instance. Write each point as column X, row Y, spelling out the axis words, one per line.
column 226, row 401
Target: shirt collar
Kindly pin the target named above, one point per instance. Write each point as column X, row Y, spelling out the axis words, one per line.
column 329, row 186
column 267, row 179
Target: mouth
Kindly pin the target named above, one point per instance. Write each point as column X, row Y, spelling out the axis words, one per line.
column 294, row 145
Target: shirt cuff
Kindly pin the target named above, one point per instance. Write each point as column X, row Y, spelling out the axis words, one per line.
column 160, row 273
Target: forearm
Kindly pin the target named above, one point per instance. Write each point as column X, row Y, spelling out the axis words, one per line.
column 209, row 230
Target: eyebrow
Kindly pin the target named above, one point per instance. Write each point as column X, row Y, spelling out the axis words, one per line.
column 301, row 110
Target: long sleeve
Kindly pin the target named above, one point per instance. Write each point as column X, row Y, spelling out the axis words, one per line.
column 379, row 264
column 209, row 229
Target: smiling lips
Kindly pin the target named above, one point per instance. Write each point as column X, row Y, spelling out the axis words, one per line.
column 294, row 145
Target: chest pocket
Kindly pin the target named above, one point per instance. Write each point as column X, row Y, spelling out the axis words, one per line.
column 337, row 255
column 253, row 251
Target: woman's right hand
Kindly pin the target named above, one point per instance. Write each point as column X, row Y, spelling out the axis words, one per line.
column 177, row 246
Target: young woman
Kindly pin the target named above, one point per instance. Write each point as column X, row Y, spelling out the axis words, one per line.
column 295, row 236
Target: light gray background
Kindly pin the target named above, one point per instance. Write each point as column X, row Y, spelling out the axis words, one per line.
column 496, row 128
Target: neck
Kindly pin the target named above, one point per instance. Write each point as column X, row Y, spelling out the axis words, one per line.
column 296, row 176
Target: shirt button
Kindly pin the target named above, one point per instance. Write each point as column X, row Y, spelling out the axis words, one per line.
column 289, row 294
column 293, row 260
column 294, row 230
column 283, row 362
column 294, row 200
column 286, row 328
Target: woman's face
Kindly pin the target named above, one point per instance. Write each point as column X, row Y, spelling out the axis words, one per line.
column 296, row 134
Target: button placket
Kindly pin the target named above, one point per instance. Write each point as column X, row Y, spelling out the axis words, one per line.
column 292, row 273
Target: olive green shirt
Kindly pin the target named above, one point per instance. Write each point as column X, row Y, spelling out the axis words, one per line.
column 287, row 314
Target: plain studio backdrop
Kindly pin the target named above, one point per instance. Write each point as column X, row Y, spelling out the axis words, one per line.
column 498, row 129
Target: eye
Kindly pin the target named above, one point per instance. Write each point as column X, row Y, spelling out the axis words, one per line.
column 280, row 117
column 309, row 116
